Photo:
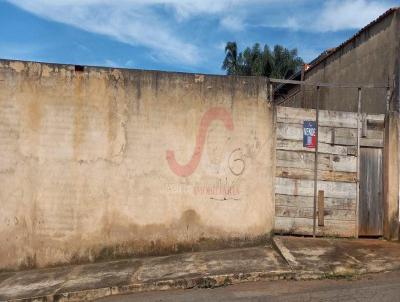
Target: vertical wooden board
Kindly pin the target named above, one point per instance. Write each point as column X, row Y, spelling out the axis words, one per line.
column 371, row 192
column 321, row 210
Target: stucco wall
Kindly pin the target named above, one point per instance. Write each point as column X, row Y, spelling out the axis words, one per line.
column 107, row 163
column 391, row 177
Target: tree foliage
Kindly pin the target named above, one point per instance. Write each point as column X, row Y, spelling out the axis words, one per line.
column 278, row 63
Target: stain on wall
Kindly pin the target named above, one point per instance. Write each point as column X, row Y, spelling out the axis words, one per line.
column 105, row 163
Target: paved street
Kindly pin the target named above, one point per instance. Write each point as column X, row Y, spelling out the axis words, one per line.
column 379, row 287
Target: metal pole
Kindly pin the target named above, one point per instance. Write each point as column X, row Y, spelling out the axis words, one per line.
column 358, row 159
column 271, row 92
column 316, row 162
column 387, row 100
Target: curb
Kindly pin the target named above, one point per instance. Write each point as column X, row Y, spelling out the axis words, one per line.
column 213, row 281
column 284, row 252
column 184, row 283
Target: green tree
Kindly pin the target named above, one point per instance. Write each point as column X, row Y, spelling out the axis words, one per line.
column 252, row 61
column 231, row 62
column 278, row 63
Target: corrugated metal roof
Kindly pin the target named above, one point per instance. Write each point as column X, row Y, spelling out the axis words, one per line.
column 327, row 53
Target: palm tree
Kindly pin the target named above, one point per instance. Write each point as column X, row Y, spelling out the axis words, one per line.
column 231, row 61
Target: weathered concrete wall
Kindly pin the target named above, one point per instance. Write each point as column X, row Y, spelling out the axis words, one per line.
column 391, row 177
column 370, row 58
column 109, row 163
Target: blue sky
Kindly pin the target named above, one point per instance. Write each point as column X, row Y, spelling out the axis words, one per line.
column 178, row 35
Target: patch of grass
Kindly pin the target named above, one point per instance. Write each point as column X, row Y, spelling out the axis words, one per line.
column 206, row 283
column 339, row 276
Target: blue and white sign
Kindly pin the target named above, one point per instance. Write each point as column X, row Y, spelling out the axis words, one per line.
column 309, row 134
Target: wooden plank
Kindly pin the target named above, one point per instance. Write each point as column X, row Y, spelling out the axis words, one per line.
column 378, row 119
column 292, row 145
column 375, row 124
column 342, row 136
column 377, row 134
column 371, row 142
column 301, row 173
column 371, row 192
column 304, row 226
column 294, row 115
column 327, row 118
column 353, row 151
column 307, row 202
column 321, row 210
column 305, row 160
column 327, row 214
column 306, row 188
column 331, row 135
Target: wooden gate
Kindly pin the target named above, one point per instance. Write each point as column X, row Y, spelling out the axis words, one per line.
column 337, row 166
column 371, row 192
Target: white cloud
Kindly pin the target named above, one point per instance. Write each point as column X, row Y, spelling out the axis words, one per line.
column 139, row 22
column 131, row 22
column 157, row 24
column 292, row 23
column 348, row 14
column 185, row 9
column 232, row 23
column 330, row 15
column 110, row 63
column 335, row 15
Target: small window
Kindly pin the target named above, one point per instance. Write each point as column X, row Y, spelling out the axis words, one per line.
column 79, row 68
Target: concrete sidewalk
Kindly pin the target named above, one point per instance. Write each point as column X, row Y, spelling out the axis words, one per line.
column 286, row 258
column 312, row 258
column 91, row 281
